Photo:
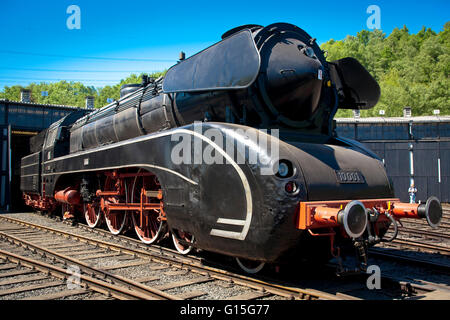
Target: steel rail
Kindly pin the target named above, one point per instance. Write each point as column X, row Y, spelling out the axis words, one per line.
column 443, row 225
column 424, row 232
column 415, row 244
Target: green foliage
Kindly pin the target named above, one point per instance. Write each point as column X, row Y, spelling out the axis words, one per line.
column 411, row 69
column 71, row 93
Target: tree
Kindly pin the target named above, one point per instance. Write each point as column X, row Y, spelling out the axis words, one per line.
column 71, row 93
column 411, row 69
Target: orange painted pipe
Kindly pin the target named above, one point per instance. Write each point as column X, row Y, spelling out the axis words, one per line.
column 326, row 215
column 431, row 210
column 405, row 210
column 68, row 196
column 353, row 218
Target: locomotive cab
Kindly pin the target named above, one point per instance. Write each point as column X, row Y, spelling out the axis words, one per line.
column 57, row 138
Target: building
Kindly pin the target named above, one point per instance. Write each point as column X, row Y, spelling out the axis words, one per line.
column 19, row 121
column 415, row 150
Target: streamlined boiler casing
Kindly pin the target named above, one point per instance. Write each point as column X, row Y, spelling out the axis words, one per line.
column 244, row 211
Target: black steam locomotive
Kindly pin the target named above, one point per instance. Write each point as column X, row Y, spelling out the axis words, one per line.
column 233, row 151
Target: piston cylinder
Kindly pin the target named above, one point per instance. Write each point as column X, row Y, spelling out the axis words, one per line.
column 68, row 196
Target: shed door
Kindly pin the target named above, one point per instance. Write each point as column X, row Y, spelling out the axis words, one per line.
column 444, row 170
column 5, row 176
column 426, row 170
column 396, row 157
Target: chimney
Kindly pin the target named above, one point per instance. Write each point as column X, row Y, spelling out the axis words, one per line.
column 357, row 113
column 25, row 95
column 89, row 102
column 145, row 80
column 182, row 56
column 407, row 112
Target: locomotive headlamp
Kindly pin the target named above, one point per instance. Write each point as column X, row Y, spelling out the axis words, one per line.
column 285, row 169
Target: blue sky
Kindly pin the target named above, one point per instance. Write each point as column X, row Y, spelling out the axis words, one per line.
column 148, row 35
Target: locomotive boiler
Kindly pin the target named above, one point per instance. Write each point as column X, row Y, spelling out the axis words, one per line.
column 232, row 151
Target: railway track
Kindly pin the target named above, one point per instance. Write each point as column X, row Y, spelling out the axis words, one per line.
column 81, row 250
column 51, row 273
column 419, row 246
column 444, row 226
column 41, row 240
column 430, row 265
column 441, row 267
column 426, row 233
column 426, row 247
column 419, row 236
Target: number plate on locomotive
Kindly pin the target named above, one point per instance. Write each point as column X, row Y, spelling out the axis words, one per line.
column 347, row 176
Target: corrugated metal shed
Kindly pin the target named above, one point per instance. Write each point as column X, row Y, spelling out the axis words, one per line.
column 32, row 116
column 422, row 119
column 427, row 138
column 12, row 102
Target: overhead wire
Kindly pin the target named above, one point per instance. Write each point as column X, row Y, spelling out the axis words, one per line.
column 68, row 70
column 55, row 79
column 85, row 57
column 8, row 78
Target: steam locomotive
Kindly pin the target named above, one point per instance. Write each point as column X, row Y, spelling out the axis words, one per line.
column 233, row 151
